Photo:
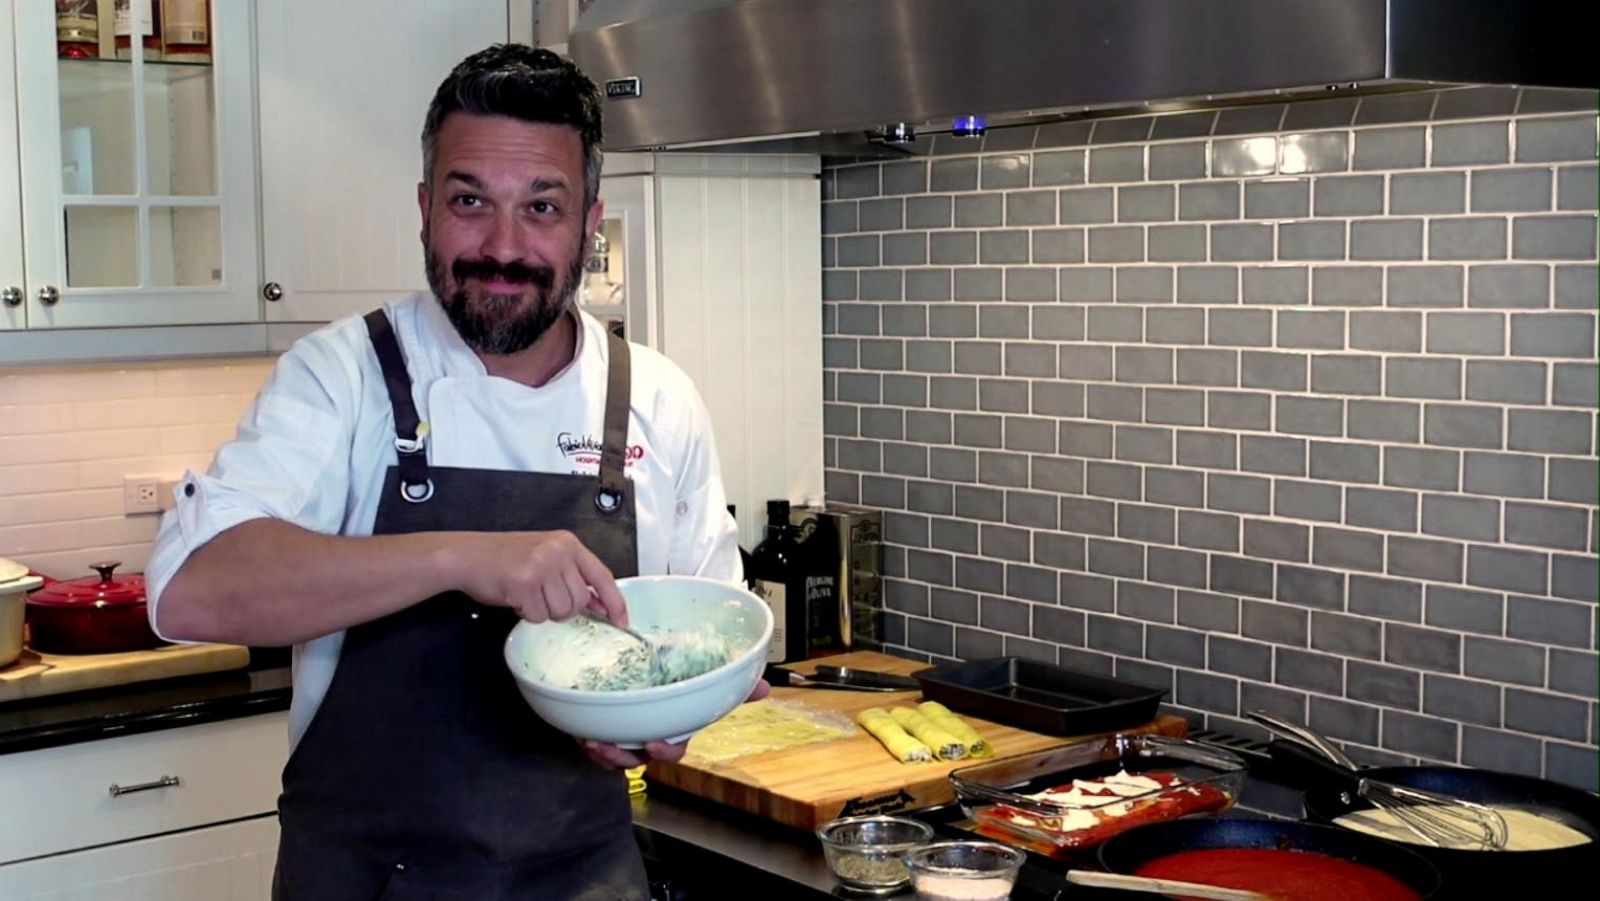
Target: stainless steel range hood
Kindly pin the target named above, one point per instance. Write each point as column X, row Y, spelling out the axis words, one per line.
column 689, row 72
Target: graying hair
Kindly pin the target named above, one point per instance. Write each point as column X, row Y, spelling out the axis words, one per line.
column 532, row 85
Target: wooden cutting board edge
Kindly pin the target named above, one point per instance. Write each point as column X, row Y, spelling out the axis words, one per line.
column 36, row 675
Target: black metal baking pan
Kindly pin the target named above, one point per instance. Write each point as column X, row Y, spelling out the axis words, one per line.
column 1040, row 697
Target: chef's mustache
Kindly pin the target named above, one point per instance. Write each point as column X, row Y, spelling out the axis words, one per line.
column 513, row 272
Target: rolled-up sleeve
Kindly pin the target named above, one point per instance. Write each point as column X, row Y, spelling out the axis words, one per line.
column 289, row 460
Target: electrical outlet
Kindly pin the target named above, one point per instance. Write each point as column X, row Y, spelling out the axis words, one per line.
column 141, row 494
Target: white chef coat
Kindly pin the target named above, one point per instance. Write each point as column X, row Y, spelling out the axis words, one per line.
column 314, row 447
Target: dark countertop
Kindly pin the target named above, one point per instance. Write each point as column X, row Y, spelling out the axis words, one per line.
column 48, row 722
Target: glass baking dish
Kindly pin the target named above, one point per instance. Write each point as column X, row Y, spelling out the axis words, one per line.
column 1001, row 795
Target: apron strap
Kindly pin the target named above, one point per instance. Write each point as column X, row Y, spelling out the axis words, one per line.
column 410, row 430
column 619, row 379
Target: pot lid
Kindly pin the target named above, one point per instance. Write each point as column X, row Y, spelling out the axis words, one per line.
column 104, row 590
column 11, row 569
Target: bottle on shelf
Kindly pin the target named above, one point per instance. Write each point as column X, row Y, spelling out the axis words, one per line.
column 186, row 31
column 780, row 582
column 149, row 40
column 78, row 29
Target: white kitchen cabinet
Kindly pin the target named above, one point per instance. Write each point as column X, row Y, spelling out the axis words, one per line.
column 11, row 275
column 343, row 91
column 138, row 178
column 228, row 862
column 722, row 260
column 176, row 814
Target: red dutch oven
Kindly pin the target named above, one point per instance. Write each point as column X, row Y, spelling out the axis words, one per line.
column 94, row 615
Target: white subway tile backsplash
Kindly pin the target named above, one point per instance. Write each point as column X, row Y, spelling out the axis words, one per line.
column 69, row 436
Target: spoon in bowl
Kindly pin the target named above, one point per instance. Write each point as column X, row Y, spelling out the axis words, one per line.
column 650, row 646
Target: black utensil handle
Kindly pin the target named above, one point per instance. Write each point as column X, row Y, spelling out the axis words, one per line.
column 1306, row 767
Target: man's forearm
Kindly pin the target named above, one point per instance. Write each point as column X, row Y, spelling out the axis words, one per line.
column 266, row 582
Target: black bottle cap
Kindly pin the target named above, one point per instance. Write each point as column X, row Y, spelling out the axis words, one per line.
column 778, row 511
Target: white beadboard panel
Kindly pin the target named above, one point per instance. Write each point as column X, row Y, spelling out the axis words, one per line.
column 326, row 155
column 681, row 163
column 10, row 187
column 741, row 300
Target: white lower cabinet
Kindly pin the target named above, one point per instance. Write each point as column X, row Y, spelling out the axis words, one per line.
column 178, row 814
column 228, row 862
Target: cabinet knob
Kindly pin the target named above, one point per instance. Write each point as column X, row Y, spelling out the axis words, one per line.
column 272, row 291
column 49, row 295
column 11, row 296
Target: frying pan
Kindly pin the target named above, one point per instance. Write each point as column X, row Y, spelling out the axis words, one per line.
column 1127, row 851
column 1329, row 795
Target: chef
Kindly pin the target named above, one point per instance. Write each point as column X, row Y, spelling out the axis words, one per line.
column 410, row 482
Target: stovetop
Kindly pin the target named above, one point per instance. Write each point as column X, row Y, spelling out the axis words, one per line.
column 1267, row 792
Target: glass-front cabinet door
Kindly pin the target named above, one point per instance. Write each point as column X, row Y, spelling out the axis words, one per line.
column 136, row 140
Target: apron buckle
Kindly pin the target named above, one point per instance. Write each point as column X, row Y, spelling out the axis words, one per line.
column 415, row 444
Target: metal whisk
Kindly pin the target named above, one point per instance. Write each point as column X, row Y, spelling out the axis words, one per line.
column 1442, row 821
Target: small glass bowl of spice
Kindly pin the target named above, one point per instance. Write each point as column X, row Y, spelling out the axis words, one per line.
column 964, row 871
column 865, row 853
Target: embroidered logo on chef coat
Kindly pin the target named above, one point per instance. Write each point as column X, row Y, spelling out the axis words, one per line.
column 585, row 449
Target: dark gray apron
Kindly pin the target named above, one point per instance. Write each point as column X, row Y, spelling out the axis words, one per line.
column 424, row 774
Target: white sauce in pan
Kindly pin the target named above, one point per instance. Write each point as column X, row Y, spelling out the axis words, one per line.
column 1525, row 830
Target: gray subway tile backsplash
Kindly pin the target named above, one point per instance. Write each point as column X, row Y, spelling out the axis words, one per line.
column 1299, row 419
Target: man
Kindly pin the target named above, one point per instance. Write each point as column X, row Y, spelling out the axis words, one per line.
column 410, row 482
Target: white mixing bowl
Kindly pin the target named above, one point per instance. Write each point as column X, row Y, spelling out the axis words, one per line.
column 543, row 657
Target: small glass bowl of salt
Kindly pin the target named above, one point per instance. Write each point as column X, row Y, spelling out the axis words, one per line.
column 964, row 871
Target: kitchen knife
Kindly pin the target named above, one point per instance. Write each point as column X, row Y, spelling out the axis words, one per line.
column 868, row 677
column 777, row 675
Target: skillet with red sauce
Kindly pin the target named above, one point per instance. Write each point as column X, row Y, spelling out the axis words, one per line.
column 1281, row 875
column 1282, row 859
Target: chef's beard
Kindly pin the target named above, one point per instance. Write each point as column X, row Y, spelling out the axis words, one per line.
column 502, row 324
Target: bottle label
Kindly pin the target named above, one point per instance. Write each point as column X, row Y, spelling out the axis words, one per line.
column 775, row 594
column 124, row 19
column 822, row 612
column 184, row 22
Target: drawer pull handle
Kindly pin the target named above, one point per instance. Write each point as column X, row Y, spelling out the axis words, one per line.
column 118, row 791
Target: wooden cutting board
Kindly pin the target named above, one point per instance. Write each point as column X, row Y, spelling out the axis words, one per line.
column 809, row 785
column 36, row 675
